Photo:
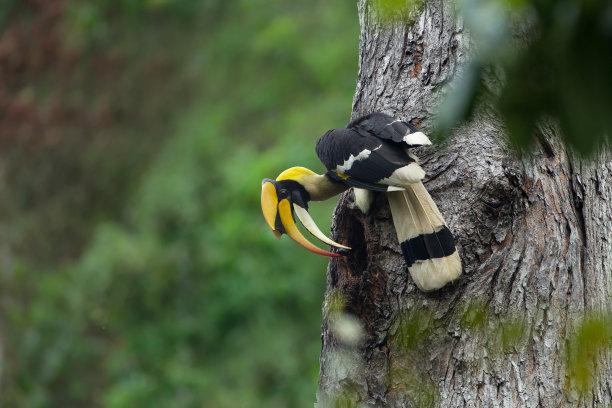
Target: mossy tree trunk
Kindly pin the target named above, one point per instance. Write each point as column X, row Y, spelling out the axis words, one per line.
column 534, row 234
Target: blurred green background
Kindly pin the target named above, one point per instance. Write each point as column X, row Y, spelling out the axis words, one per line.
column 136, row 269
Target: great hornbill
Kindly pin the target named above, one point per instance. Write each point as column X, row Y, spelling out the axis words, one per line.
column 369, row 154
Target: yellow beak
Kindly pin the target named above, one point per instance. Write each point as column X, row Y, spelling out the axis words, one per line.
column 269, row 205
column 271, row 208
column 284, row 207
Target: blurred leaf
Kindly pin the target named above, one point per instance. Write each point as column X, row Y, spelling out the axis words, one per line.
column 390, row 11
column 553, row 54
column 591, row 338
column 182, row 296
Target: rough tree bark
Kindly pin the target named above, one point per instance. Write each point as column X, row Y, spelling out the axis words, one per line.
column 534, row 234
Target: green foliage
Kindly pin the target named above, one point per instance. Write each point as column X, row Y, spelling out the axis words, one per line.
column 393, row 11
column 184, row 297
column 5, row 11
column 589, row 341
column 532, row 60
column 557, row 68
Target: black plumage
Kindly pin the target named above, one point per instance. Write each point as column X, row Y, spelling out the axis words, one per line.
column 426, row 246
column 383, row 126
column 371, row 153
column 370, row 149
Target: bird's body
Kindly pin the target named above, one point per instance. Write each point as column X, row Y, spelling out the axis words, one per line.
column 371, row 150
column 371, row 154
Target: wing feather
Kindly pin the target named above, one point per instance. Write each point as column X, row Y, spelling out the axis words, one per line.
column 371, row 153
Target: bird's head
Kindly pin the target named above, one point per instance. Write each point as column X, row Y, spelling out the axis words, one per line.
column 287, row 195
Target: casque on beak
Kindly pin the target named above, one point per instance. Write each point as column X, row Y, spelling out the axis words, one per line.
column 279, row 217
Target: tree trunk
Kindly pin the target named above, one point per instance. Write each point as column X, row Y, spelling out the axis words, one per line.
column 534, row 234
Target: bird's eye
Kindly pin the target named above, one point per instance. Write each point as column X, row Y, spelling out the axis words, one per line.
column 283, row 193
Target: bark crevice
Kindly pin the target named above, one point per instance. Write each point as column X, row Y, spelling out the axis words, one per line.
column 534, row 232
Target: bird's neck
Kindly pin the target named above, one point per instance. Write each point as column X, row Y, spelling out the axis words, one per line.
column 321, row 188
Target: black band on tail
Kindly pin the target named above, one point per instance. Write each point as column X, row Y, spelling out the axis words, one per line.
column 427, row 246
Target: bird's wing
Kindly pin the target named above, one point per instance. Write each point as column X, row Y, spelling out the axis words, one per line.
column 370, row 153
column 387, row 127
column 361, row 158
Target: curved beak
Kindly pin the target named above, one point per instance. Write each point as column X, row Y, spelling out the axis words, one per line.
column 310, row 225
column 269, row 205
column 279, row 218
column 284, row 209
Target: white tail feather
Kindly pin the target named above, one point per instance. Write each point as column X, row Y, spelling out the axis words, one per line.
column 415, row 213
column 434, row 273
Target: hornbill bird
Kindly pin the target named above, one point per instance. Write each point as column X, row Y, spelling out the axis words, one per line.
column 371, row 155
